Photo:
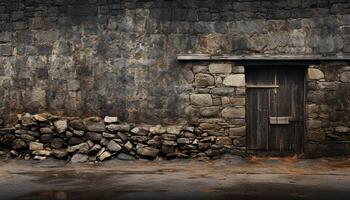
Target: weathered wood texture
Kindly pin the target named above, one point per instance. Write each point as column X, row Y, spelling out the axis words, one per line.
column 264, row 103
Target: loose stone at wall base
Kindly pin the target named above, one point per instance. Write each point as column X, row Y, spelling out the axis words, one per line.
column 93, row 136
column 61, row 125
column 113, row 146
column 33, row 146
column 147, row 151
column 94, row 124
column 110, row 120
column 79, row 158
column 104, row 155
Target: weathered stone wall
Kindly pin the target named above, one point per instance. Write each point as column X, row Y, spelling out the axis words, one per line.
column 74, row 57
column 95, row 139
column 328, row 108
column 217, row 103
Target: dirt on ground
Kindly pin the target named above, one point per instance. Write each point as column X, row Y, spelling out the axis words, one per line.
column 229, row 177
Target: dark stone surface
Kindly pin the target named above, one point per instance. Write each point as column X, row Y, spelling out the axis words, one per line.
column 86, row 58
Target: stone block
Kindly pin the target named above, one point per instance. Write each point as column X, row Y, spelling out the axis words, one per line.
column 238, row 69
column 342, row 129
column 5, row 50
column 200, row 69
column 234, row 132
column 223, row 91
column 183, row 141
column 34, row 146
column 175, row 130
column 220, row 68
column 237, row 101
column 233, row 112
column 316, row 136
column 201, row 99
column 93, row 136
column 113, row 146
column 239, row 142
column 209, row 126
column 223, row 141
column 315, row 74
column 345, row 77
column 61, row 125
column 94, row 124
column 5, row 36
column 312, row 109
column 204, row 80
column 314, row 124
column 235, row 80
column 147, row 151
column 225, row 101
column 209, row 111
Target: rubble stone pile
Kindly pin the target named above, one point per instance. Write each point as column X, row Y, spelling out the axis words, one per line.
column 95, row 139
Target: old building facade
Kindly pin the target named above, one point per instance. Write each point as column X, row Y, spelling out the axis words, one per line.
column 235, row 75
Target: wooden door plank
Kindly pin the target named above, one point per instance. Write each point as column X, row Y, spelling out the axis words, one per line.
column 257, row 106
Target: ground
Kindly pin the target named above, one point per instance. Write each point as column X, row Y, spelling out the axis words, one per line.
column 229, row 177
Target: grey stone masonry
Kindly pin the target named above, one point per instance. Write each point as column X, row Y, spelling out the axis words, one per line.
column 98, row 57
column 328, row 108
column 218, row 108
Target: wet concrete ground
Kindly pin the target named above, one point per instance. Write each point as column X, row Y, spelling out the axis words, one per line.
column 226, row 178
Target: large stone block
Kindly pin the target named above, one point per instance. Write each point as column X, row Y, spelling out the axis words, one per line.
column 5, row 50
column 314, row 124
column 234, row 132
column 220, row 68
column 315, row 74
column 236, row 80
column 345, row 77
column 201, row 99
column 313, row 109
column 204, row 80
column 209, row 111
column 237, row 101
column 233, row 112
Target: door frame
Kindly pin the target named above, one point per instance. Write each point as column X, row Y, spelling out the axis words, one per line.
column 305, row 66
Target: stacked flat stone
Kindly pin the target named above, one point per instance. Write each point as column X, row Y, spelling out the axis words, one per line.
column 95, row 139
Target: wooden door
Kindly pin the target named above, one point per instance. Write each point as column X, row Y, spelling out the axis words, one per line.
column 275, row 108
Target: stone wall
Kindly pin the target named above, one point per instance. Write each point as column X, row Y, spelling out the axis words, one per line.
column 328, row 107
column 95, row 139
column 217, row 103
column 86, row 58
